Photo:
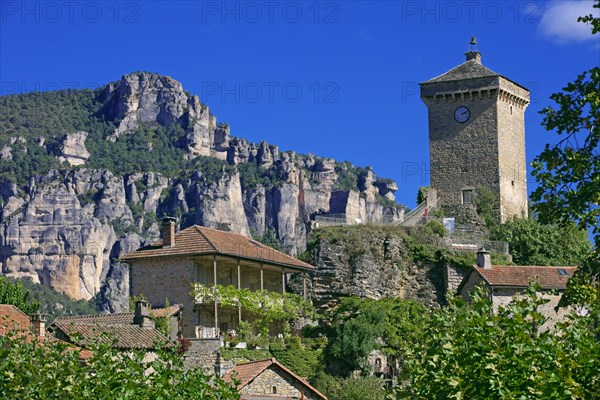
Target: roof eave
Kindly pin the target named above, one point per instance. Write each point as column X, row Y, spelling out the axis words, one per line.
column 290, row 266
column 507, row 286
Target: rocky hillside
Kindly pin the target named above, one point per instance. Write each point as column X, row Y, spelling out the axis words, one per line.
column 86, row 175
column 378, row 262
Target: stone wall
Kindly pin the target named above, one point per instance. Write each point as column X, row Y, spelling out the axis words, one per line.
column 453, row 277
column 501, row 298
column 163, row 278
column 203, row 353
column 487, row 150
column 474, row 280
column 277, row 383
column 512, row 103
column 463, row 155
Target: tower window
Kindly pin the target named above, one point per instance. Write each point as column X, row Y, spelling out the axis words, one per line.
column 467, row 196
column 512, row 183
column 510, row 110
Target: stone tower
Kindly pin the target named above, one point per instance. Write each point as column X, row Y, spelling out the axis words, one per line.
column 477, row 137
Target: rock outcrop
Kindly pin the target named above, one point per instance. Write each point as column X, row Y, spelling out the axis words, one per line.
column 66, row 229
column 73, row 149
column 370, row 262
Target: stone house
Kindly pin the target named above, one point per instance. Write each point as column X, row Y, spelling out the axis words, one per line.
column 129, row 330
column 269, row 379
column 171, row 267
column 17, row 324
column 503, row 282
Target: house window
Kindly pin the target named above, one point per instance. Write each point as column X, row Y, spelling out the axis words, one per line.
column 563, row 272
column 274, row 390
column 467, row 196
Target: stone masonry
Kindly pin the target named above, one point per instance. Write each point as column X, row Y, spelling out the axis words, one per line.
column 486, row 150
column 277, row 383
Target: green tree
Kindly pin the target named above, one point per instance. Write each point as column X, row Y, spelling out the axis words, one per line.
column 485, row 202
column 359, row 326
column 53, row 370
column 532, row 243
column 352, row 388
column 13, row 293
column 468, row 351
column 568, row 172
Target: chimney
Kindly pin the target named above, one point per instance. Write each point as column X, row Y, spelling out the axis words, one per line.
column 38, row 324
column 168, row 231
column 142, row 315
column 483, row 259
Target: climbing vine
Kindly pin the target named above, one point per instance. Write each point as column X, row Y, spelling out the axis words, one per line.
column 266, row 307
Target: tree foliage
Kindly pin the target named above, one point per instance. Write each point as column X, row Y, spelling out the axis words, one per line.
column 568, row 172
column 468, row 351
column 12, row 292
column 532, row 243
column 53, row 370
column 358, row 326
column 352, row 388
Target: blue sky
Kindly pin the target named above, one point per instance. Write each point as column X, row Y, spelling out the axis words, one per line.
column 338, row 79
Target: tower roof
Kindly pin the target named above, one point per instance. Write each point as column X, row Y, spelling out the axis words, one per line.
column 472, row 68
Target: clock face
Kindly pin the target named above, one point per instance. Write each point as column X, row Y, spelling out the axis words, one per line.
column 462, row 114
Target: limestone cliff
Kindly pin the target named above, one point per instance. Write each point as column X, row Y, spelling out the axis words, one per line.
column 66, row 221
column 374, row 262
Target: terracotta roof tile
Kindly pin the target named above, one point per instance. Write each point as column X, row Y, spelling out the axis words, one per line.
column 166, row 311
column 245, row 373
column 102, row 319
column 16, row 321
column 13, row 320
column 125, row 336
column 119, row 318
column 197, row 240
column 512, row 275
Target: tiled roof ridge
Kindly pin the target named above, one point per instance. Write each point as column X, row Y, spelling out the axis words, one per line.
column 491, row 277
column 130, row 314
column 269, row 248
column 91, row 315
column 15, row 307
column 268, row 362
column 115, row 331
column 197, row 227
column 458, row 72
column 201, row 240
column 289, row 371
